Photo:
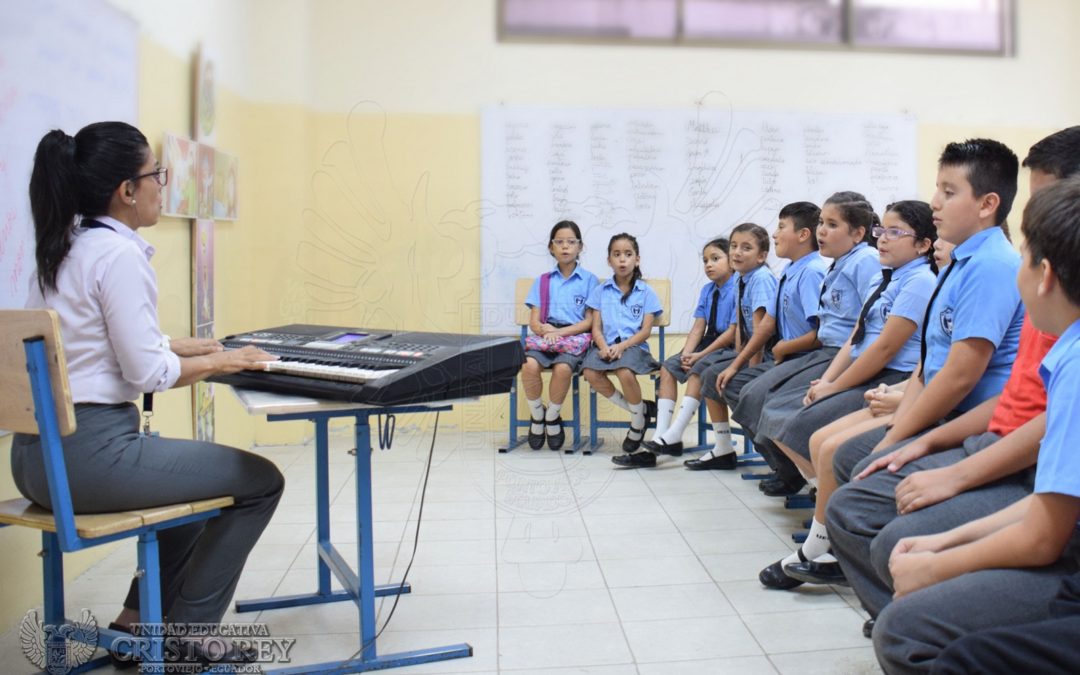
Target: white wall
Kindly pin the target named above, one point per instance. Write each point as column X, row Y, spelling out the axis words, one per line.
column 441, row 56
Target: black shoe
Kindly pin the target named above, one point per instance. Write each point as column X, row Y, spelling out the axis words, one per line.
column 555, row 441
column 726, row 462
column 783, row 488
column 765, row 479
column 121, row 661
column 650, row 412
column 817, row 573
column 658, row 446
column 536, row 441
column 868, row 628
column 629, row 444
column 773, row 577
column 636, row 460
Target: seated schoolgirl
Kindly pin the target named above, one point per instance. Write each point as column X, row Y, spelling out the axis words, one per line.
column 625, row 308
column 562, row 333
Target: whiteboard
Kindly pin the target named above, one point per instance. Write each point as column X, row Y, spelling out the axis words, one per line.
column 63, row 65
column 673, row 178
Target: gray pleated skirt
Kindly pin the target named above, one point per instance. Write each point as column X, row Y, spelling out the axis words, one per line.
column 719, row 359
column 797, row 423
column 549, row 359
column 636, row 359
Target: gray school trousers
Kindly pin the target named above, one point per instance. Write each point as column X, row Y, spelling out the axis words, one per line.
column 864, row 526
column 913, row 631
column 111, row 467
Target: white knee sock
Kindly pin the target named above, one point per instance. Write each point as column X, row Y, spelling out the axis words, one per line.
column 553, row 411
column 536, row 410
column 617, row 399
column 665, row 408
column 722, row 446
column 687, row 408
column 637, row 420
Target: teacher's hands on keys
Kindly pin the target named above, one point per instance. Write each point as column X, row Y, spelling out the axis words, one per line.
column 192, row 346
column 245, row 358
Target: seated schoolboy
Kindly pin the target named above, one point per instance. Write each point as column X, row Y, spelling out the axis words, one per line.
column 1006, row 568
column 791, row 317
column 972, row 330
column 963, row 470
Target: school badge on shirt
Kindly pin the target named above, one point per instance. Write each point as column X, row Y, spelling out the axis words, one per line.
column 635, row 311
column 946, row 320
column 579, row 300
column 836, row 297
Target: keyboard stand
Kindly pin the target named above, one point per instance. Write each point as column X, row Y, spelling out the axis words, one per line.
column 359, row 585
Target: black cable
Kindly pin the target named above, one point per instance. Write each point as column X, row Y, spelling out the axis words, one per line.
column 416, row 540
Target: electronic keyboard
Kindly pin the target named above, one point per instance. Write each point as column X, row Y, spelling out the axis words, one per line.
column 361, row 365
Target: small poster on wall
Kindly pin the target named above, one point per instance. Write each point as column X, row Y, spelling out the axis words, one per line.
column 205, row 179
column 226, row 168
column 179, row 155
column 205, row 97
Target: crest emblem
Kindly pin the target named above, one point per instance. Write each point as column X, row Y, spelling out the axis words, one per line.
column 75, row 643
column 635, row 310
column 946, row 319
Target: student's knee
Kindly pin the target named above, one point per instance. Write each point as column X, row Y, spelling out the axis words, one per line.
column 531, row 368
column 847, row 456
column 561, row 370
column 896, row 641
column 591, row 376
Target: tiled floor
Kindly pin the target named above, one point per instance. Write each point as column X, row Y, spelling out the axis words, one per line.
column 544, row 563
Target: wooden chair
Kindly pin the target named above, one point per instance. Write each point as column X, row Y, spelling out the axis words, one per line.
column 662, row 287
column 521, row 318
column 41, row 404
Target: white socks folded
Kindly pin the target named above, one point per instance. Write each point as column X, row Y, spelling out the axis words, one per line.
column 665, row 408
column 815, row 546
column 722, row 446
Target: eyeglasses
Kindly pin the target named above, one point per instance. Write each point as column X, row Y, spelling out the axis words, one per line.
column 161, row 176
column 889, row 234
column 566, row 242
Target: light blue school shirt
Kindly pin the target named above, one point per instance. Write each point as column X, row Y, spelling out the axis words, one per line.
column 801, row 281
column 1058, row 469
column 622, row 320
column 759, row 293
column 567, row 297
column 978, row 300
column 842, row 293
column 907, row 295
column 725, row 306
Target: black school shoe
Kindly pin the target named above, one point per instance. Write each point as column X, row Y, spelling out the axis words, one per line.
column 555, row 441
column 728, row 462
column 635, row 460
column 780, row 487
column 817, row 573
column 774, row 577
column 629, row 444
column 658, row 446
column 536, row 441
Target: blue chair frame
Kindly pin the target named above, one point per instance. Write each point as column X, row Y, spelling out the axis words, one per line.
column 39, row 350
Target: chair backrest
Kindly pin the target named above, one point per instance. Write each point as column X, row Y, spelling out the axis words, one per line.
column 521, row 291
column 662, row 287
column 17, row 402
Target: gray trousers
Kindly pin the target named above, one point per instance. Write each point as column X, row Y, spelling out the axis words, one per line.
column 864, row 526
column 913, row 631
column 111, row 467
